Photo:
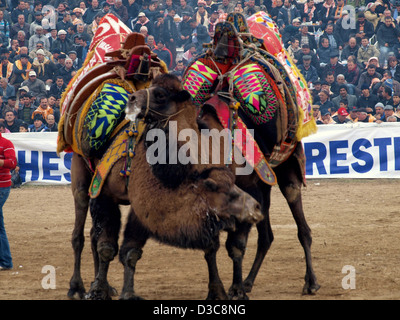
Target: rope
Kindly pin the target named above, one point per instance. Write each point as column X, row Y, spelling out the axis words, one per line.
column 167, row 118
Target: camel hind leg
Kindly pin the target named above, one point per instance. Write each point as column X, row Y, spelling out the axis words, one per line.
column 106, row 217
column 135, row 238
column 265, row 236
column 290, row 185
column 80, row 182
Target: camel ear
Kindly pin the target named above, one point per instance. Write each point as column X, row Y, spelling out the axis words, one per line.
column 181, row 96
column 211, row 184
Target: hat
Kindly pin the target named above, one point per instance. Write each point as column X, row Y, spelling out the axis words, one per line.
column 306, row 57
column 62, row 56
column 342, row 112
column 25, row 88
column 72, row 51
column 334, row 54
column 379, row 105
column 40, row 51
column 296, row 20
column 32, row 73
column 364, row 86
column 38, row 116
column 185, row 13
column 388, row 107
column 141, row 14
column 106, row 4
column 62, row 32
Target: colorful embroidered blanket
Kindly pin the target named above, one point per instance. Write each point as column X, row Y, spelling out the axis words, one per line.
column 263, row 27
column 100, row 116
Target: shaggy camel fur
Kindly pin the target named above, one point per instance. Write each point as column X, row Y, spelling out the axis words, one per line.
column 189, row 213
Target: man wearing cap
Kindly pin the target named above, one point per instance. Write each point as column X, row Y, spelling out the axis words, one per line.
column 38, row 124
column 38, row 36
column 325, row 104
column 143, row 21
column 36, row 86
column 20, row 70
column 341, row 116
column 307, row 70
column 379, row 111
column 333, row 66
column 364, row 28
column 184, row 29
column 62, row 43
column 367, row 99
column 39, row 46
column 37, row 22
column 163, row 53
column 45, row 68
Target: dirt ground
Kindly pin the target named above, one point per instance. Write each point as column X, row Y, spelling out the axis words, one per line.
column 354, row 223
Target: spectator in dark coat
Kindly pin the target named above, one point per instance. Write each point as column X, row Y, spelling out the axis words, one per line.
column 307, row 70
column 305, row 37
column 364, row 28
column 62, row 43
column 351, row 49
column 91, row 12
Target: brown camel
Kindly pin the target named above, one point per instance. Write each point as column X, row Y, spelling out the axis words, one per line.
column 198, row 200
column 290, row 180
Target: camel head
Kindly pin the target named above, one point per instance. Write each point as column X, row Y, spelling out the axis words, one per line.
column 164, row 99
column 226, row 200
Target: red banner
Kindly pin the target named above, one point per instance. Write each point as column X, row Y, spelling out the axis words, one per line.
column 109, row 36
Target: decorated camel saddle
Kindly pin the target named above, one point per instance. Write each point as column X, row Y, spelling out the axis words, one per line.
column 241, row 69
column 93, row 105
column 94, row 102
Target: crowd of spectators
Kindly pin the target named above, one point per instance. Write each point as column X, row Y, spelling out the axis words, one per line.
column 349, row 55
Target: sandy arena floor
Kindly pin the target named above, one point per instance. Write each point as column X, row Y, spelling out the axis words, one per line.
column 354, row 223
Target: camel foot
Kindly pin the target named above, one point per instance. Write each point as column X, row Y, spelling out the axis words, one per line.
column 76, row 292
column 217, row 293
column 237, row 293
column 310, row 289
column 101, row 291
column 129, row 296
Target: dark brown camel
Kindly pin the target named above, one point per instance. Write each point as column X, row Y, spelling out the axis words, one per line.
column 290, row 179
column 198, row 200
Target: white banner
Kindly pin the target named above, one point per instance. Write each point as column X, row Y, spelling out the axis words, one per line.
column 359, row 150
column 38, row 160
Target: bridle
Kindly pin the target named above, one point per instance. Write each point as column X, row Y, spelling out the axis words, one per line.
column 165, row 118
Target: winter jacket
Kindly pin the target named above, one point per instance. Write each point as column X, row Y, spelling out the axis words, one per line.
column 7, row 153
